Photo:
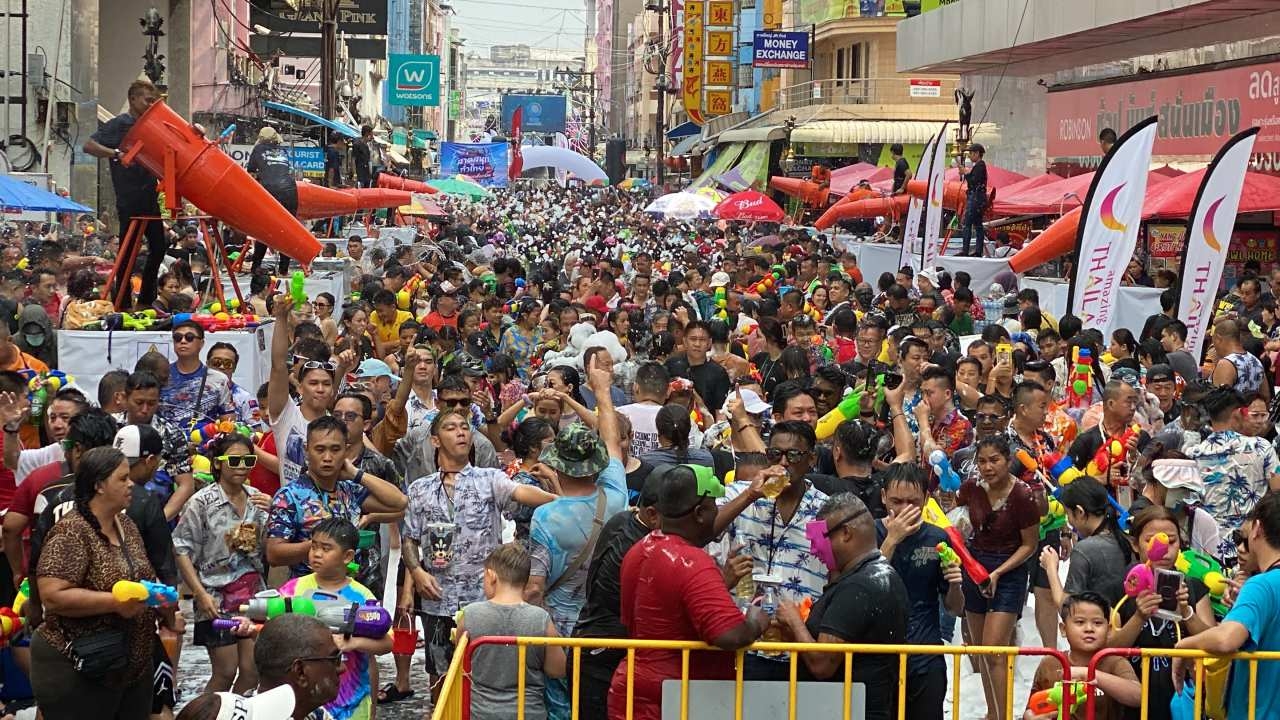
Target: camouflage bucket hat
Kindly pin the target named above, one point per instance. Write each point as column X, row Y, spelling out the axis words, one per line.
column 577, row 452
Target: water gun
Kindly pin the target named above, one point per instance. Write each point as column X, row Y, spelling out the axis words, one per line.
column 1079, row 380
column 1063, row 473
column 369, row 620
column 210, row 430
column 1201, row 566
column 152, row 593
column 848, row 409
column 805, row 607
column 948, row 478
column 141, row 320
column 24, row 593
column 1111, row 453
column 1053, row 520
column 202, row 469
column 11, row 625
column 297, row 291
column 1049, row 702
column 766, row 283
column 1141, row 578
column 721, row 300
column 947, row 555
column 933, row 515
column 40, row 388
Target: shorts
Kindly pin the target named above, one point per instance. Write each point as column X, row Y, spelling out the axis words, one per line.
column 206, row 636
column 437, row 632
column 1011, row 592
column 164, row 694
column 1037, row 575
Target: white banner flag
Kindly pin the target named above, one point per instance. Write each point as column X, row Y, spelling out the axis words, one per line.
column 911, row 228
column 1109, row 226
column 933, row 203
column 1213, row 217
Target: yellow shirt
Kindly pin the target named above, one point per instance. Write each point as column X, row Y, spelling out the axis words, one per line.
column 391, row 331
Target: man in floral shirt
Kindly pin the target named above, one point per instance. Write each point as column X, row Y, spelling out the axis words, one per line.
column 451, row 525
column 1237, row 470
column 948, row 428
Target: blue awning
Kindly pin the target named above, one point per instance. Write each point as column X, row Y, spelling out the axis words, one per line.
column 16, row 196
column 314, row 119
column 684, row 129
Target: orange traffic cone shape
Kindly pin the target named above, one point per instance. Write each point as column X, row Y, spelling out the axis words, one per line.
column 395, row 182
column 893, row 206
column 195, row 168
column 1056, row 241
column 316, row 201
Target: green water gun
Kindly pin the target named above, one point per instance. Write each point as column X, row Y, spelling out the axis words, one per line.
column 297, row 290
column 947, row 555
column 1054, row 519
column 848, row 409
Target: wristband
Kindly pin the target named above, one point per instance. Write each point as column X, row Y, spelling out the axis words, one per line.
column 12, row 430
column 359, row 477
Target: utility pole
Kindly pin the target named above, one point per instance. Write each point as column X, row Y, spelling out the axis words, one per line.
column 568, row 80
column 661, row 85
column 328, row 59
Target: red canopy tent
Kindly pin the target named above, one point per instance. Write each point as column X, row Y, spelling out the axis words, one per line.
column 1169, row 171
column 1054, row 198
column 1261, row 193
column 997, row 177
column 845, row 180
column 1030, row 183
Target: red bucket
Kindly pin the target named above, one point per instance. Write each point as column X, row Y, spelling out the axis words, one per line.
column 404, row 640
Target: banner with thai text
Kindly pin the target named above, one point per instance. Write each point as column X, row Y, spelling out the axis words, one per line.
column 1213, row 217
column 486, row 163
column 1109, row 222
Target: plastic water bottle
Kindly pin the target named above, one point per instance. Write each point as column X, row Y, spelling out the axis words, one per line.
column 769, row 601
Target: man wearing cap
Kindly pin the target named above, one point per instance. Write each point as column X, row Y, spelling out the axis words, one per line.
column 269, row 164
column 377, row 374
column 672, row 589
column 975, row 177
column 1178, row 487
column 1162, row 384
column 563, row 533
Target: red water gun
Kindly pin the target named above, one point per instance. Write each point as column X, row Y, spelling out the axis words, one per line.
column 1112, row 452
column 933, row 515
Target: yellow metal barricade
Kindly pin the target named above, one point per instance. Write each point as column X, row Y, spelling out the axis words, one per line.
column 576, row 646
column 1210, row 681
column 449, row 706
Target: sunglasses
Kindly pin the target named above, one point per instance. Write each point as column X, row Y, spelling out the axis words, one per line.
column 348, row 416
column 185, row 337
column 220, row 363
column 235, row 461
column 987, row 417
column 319, row 365
column 338, row 658
column 455, row 402
column 832, row 528
column 793, row 455
column 322, row 304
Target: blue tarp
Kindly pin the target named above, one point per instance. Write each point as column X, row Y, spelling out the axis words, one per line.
column 684, row 129
column 16, row 196
column 311, row 117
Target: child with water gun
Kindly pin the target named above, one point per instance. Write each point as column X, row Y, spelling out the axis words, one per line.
column 1084, row 624
column 1133, row 621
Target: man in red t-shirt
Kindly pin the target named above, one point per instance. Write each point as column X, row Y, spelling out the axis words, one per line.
column 673, row 590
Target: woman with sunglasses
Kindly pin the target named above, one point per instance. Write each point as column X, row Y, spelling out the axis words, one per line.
column 324, row 305
column 218, row 544
column 1006, row 533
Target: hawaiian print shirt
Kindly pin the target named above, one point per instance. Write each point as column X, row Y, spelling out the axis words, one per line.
column 300, row 506
column 952, row 432
column 457, row 534
column 520, row 346
column 1237, row 471
column 207, row 522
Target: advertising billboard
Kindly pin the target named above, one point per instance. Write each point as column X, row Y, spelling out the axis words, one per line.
column 542, row 113
column 414, row 80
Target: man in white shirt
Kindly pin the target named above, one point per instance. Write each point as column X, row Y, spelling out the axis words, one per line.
column 650, row 391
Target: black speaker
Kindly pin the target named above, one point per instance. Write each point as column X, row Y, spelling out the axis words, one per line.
column 615, row 160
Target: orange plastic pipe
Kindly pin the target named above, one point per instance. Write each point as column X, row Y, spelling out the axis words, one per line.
column 316, row 201
column 395, row 182
column 953, row 193
column 1056, row 241
column 168, row 146
column 868, row 208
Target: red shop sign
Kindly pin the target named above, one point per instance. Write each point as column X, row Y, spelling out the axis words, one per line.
column 1198, row 112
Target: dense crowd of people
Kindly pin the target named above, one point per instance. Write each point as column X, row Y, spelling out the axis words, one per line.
column 575, row 419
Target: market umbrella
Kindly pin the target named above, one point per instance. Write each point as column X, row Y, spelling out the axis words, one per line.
column 708, row 191
column 1261, row 193
column 461, row 188
column 634, row 183
column 766, row 241
column 18, row 196
column 682, row 206
column 423, row 206
column 749, row 205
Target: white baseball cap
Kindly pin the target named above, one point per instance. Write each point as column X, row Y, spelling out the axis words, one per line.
column 751, row 402
column 720, row 279
column 1174, row 474
column 273, row 704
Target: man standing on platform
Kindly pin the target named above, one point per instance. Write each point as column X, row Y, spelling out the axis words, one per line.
column 135, row 186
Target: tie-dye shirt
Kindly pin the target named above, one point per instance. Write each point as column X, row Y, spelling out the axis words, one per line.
column 300, row 506
column 354, row 690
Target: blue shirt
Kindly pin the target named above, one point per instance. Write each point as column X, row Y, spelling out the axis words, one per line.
column 917, row 563
column 300, row 506
column 558, row 532
column 1256, row 609
column 179, row 398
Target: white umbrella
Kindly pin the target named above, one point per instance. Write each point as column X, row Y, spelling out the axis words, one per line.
column 682, row 206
